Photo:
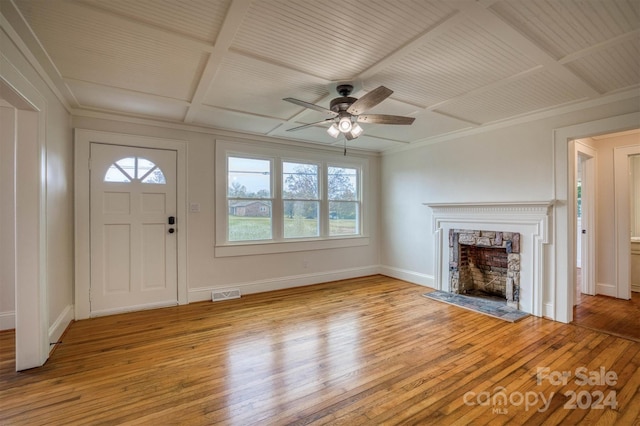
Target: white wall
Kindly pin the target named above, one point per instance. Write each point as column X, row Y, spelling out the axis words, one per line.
column 508, row 164
column 255, row 272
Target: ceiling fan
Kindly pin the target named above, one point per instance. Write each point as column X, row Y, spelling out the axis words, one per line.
column 346, row 112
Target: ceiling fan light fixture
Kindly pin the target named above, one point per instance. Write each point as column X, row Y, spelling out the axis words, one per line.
column 356, row 130
column 333, row 130
column 345, row 125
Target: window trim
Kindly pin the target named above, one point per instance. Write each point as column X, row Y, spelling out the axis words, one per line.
column 280, row 153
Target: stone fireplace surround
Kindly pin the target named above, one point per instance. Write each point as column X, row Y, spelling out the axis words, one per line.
column 485, row 263
column 529, row 219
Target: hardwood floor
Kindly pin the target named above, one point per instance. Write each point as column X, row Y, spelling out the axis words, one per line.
column 363, row 351
column 610, row 315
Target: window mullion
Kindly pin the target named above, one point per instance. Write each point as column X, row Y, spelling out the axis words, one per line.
column 324, row 200
column 277, row 213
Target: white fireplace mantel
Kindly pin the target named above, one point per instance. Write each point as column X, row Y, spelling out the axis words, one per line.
column 530, row 219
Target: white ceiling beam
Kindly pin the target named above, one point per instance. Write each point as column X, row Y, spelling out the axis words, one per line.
column 631, row 35
column 230, row 27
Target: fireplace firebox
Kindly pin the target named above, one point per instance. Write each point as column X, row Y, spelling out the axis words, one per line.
column 485, row 263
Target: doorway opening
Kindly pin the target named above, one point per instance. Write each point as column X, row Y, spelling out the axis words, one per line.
column 585, row 184
column 605, row 301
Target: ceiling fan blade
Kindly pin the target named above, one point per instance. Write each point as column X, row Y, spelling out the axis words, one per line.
column 304, row 126
column 385, row 119
column 369, row 100
column 309, row 105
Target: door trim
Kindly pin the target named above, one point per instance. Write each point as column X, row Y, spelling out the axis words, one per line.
column 622, row 219
column 560, row 300
column 30, row 214
column 83, row 140
column 588, row 285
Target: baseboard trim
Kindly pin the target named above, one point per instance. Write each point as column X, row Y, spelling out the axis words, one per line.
column 410, row 276
column 57, row 329
column 606, row 290
column 635, row 288
column 7, row 320
column 201, row 294
column 547, row 311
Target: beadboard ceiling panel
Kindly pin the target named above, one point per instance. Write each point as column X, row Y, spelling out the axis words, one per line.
column 454, row 65
column 612, row 69
column 536, row 92
column 246, row 84
column 333, row 39
column 463, row 59
column 567, row 26
column 139, row 104
column 231, row 120
column 199, row 19
column 86, row 47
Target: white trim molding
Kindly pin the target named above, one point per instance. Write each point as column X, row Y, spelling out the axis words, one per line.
column 530, row 219
column 414, row 277
column 564, row 212
column 204, row 293
column 622, row 207
column 7, row 320
column 59, row 326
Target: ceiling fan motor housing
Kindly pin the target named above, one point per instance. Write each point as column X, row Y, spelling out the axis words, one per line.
column 341, row 104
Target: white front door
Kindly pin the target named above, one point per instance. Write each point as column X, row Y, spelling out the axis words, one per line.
column 133, row 228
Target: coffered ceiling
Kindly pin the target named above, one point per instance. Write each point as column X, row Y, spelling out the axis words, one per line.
column 227, row 64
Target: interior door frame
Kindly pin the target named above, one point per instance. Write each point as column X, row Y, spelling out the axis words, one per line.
column 30, row 219
column 588, row 285
column 83, row 140
column 560, row 301
column 622, row 219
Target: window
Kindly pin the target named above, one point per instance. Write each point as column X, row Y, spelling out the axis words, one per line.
column 301, row 200
column 138, row 169
column 280, row 200
column 344, row 203
column 249, row 199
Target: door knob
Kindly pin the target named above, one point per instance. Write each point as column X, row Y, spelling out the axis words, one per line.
column 171, row 230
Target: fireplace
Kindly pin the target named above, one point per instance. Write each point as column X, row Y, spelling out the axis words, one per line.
column 528, row 220
column 485, row 264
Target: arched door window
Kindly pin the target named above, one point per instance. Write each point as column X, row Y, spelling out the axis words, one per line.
column 137, row 169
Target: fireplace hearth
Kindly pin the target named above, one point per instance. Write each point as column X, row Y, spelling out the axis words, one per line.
column 485, row 264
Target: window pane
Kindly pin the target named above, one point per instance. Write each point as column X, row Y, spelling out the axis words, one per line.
column 249, row 178
column 301, row 219
column 156, row 176
column 300, row 181
column 343, row 218
column 343, row 183
column 128, row 166
column 114, row 174
column 143, row 168
column 249, row 220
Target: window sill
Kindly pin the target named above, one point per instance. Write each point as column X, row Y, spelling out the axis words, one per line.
column 253, row 248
